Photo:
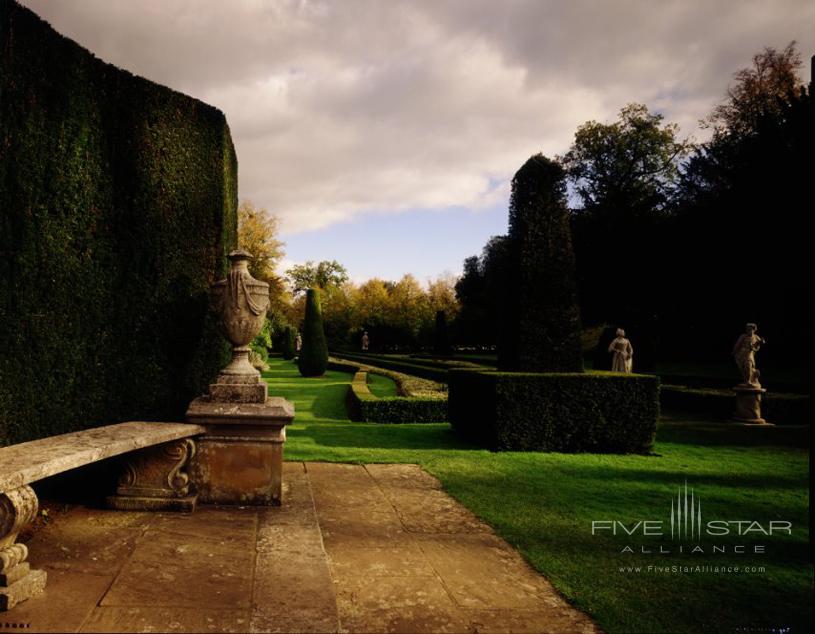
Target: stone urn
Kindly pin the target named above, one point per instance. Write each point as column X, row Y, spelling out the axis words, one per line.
column 241, row 302
column 239, row 458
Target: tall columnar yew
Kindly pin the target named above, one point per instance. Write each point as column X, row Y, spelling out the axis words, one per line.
column 289, row 343
column 540, row 318
column 313, row 360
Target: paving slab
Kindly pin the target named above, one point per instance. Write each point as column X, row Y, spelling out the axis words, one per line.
column 203, row 559
column 88, row 541
column 173, row 619
column 352, row 548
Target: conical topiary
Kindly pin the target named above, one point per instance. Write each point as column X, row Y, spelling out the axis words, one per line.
column 313, row 359
column 289, row 351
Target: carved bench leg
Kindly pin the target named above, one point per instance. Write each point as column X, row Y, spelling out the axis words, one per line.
column 18, row 582
column 155, row 479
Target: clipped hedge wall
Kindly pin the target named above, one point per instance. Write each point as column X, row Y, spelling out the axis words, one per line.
column 776, row 408
column 569, row 412
column 118, row 204
column 364, row 406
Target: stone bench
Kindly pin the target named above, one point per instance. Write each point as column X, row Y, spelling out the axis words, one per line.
column 153, row 478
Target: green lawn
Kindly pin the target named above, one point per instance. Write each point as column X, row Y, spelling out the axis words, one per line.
column 382, row 386
column 544, row 504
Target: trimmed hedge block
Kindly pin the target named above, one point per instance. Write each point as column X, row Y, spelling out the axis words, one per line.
column 568, row 412
column 366, row 407
column 776, row 408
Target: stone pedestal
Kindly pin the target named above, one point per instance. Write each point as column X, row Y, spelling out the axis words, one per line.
column 18, row 582
column 748, row 404
column 240, row 457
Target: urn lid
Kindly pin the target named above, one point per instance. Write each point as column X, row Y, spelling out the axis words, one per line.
column 239, row 254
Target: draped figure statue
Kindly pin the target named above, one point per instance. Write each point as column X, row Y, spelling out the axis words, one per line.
column 744, row 354
column 623, row 353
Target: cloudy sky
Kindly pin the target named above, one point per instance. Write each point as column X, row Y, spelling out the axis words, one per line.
column 383, row 134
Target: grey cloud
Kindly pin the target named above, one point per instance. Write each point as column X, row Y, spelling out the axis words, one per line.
column 344, row 108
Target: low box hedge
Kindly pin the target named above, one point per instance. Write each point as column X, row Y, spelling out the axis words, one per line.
column 366, row 407
column 777, row 408
column 569, row 412
column 407, row 385
column 433, row 374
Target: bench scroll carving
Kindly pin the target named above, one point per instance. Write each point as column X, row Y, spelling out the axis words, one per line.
column 155, row 478
column 18, row 582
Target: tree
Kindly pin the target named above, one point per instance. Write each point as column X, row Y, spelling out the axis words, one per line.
column 257, row 233
column 441, row 338
column 408, row 310
column 313, row 359
column 441, row 295
column 540, row 319
column 321, row 275
column 479, row 294
column 760, row 91
column 338, row 312
column 625, row 173
column 629, row 166
column 741, row 206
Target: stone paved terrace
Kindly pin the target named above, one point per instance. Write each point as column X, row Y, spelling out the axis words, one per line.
column 376, row 548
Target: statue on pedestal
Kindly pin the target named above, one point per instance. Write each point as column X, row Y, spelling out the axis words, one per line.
column 749, row 391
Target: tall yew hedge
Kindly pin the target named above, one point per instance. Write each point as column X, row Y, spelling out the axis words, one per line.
column 118, row 203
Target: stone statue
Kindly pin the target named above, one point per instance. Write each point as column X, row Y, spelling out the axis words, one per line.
column 744, row 354
column 365, row 341
column 623, row 353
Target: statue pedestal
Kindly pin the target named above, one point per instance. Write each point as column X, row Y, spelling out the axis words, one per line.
column 239, row 460
column 748, row 404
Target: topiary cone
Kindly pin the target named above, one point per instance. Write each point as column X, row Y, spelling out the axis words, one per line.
column 313, row 359
column 289, row 351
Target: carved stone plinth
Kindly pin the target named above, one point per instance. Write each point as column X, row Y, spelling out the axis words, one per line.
column 748, row 404
column 18, row 582
column 240, row 457
column 155, row 479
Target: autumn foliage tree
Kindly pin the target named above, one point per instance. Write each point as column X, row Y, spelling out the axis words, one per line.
column 257, row 233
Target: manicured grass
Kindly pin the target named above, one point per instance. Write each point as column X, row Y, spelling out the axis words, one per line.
column 544, row 504
column 382, row 386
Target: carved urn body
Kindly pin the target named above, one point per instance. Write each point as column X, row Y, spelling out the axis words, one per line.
column 241, row 301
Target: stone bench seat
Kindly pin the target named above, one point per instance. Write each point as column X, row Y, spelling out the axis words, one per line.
column 37, row 459
column 153, row 478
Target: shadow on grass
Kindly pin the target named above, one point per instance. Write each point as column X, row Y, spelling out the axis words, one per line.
column 376, row 436
column 724, row 434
